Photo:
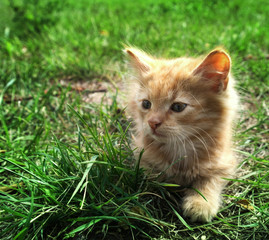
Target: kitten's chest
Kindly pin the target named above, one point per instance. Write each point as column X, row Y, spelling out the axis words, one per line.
column 178, row 163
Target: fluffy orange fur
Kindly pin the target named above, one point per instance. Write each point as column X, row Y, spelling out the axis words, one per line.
column 183, row 111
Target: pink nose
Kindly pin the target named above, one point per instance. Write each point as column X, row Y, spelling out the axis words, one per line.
column 154, row 123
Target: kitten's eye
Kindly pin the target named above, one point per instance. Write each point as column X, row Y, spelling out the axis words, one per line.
column 146, row 104
column 178, row 107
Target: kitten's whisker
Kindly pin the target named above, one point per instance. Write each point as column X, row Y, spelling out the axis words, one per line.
column 195, row 159
column 213, row 141
column 202, row 140
column 178, row 141
column 197, row 101
column 183, row 143
column 195, row 155
column 205, row 146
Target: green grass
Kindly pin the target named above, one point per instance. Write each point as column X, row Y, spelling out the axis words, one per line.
column 66, row 165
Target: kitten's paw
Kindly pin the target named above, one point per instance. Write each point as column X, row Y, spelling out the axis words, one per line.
column 198, row 209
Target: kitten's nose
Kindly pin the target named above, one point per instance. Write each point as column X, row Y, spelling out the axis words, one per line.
column 154, row 123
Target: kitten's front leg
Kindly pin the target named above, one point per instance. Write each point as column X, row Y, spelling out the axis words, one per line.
column 196, row 207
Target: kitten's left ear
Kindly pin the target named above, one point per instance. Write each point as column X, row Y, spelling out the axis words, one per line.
column 139, row 60
column 215, row 68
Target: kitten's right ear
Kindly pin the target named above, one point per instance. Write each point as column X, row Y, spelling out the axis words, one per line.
column 215, row 69
column 139, row 60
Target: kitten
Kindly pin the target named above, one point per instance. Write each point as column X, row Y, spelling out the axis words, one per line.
column 183, row 111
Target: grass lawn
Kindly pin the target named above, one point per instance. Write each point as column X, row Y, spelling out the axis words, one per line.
column 66, row 164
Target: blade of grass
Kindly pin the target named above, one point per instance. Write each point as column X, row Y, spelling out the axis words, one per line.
column 88, row 168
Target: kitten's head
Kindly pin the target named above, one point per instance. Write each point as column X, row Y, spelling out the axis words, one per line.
column 179, row 97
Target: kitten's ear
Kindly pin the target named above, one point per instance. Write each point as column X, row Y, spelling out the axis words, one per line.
column 215, row 68
column 139, row 60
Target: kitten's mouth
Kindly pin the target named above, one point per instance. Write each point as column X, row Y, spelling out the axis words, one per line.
column 154, row 133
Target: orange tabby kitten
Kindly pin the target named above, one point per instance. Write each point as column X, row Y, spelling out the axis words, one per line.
column 183, row 111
